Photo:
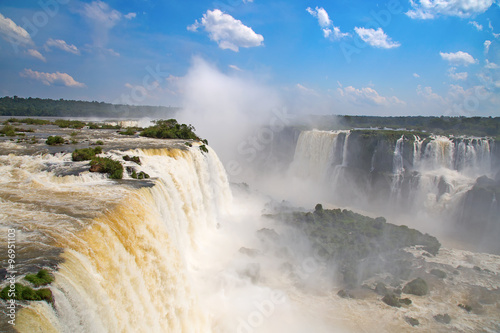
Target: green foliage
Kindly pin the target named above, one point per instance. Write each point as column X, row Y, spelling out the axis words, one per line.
column 37, row 107
column 128, row 131
column 42, row 278
column 8, row 130
column 140, row 175
column 63, row 123
column 30, row 121
column 169, row 129
column 114, row 169
column 25, row 293
column 85, row 154
column 204, row 149
column 54, row 140
column 416, row 287
column 99, row 142
column 350, row 239
column 134, row 159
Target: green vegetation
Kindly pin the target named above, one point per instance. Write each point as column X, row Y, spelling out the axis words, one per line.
column 54, row 140
column 140, row 175
column 85, row 154
column 114, row 169
column 204, row 149
column 8, row 130
column 475, row 126
column 25, row 293
column 63, row 123
column 134, row 159
column 170, row 129
column 128, row 131
column 37, row 107
column 29, row 121
column 416, row 287
column 42, row 278
column 353, row 241
column 99, row 143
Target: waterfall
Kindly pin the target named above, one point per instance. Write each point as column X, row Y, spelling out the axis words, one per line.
column 397, row 169
column 126, row 266
column 417, row 151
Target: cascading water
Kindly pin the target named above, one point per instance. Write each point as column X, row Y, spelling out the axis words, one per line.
column 126, row 252
column 397, row 169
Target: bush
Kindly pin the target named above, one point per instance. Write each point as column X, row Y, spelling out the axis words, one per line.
column 54, row 140
column 8, row 130
column 42, row 278
column 416, row 287
column 140, row 175
column 170, row 129
column 128, row 131
column 114, row 169
column 204, row 149
column 85, row 154
column 25, row 293
column 62, row 123
column 99, row 143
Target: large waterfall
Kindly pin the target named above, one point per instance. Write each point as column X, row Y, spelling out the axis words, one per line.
column 389, row 172
column 127, row 253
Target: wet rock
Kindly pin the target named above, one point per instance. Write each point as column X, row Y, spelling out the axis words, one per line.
column 344, row 294
column 380, row 288
column 438, row 273
column 412, row 321
column 391, row 300
column 416, row 287
column 3, row 273
column 443, row 318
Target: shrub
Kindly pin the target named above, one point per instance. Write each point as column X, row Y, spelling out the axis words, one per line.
column 85, row 154
column 8, row 130
column 170, row 129
column 416, row 287
column 128, row 131
column 25, row 293
column 42, row 278
column 54, row 140
column 204, row 149
column 114, row 169
column 99, row 143
column 63, row 123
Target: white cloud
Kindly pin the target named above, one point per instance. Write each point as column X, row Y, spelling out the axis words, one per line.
column 491, row 65
column 487, row 44
column 458, row 58
column 130, row 16
column 11, row 32
column 429, row 9
column 34, row 53
column 228, row 32
column 457, row 76
column 102, row 18
column 236, row 68
column 476, row 25
column 49, row 79
column 306, row 90
column 367, row 96
column 376, row 38
column 62, row 45
column 247, row 1
column 427, row 94
column 416, row 75
column 329, row 30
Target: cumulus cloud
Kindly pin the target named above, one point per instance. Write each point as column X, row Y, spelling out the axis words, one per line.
column 367, row 96
column 491, row 65
column 458, row 58
column 13, row 33
column 429, row 9
column 130, row 16
column 50, row 79
column 329, row 30
column 415, row 75
column 457, row 76
column 228, row 32
column 61, row 45
column 35, row 54
column 476, row 25
column 427, row 94
column 487, row 44
column 376, row 38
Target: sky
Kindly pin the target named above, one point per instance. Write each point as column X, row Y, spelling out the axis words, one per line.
column 395, row 57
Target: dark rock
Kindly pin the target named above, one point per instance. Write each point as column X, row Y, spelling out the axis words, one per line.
column 438, row 273
column 391, row 300
column 416, row 287
column 3, row 273
column 443, row 319
column 405, row 301
column 344, row 294
column 380, row 289
column 412, row 321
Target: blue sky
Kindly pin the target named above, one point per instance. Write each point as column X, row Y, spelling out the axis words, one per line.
column 396, row 57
